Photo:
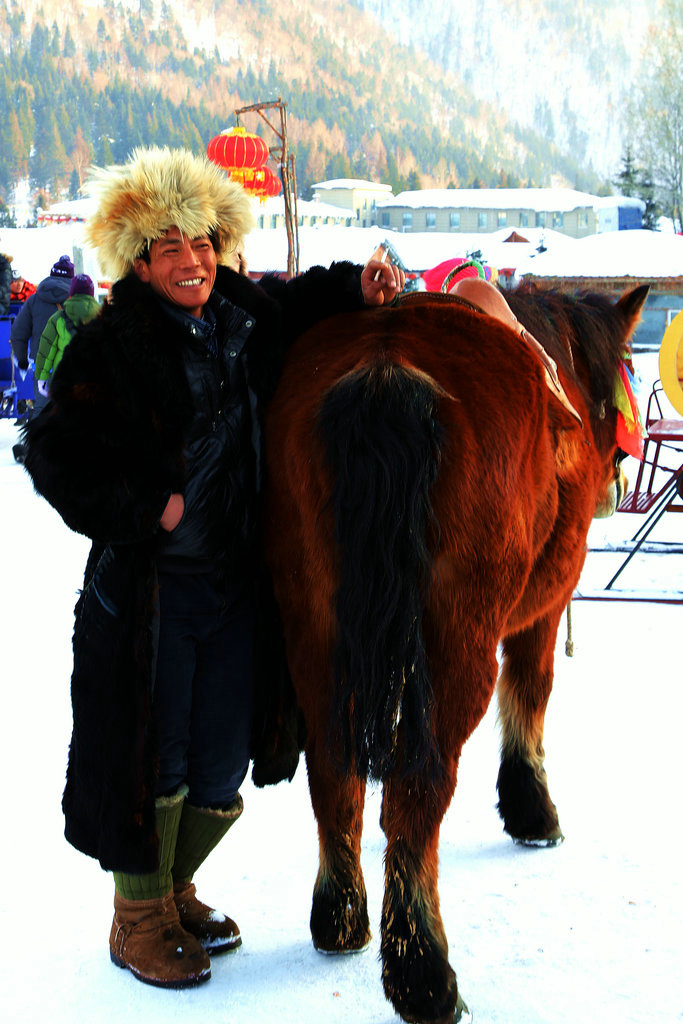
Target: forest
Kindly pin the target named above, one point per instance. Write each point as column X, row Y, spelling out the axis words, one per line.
column 88, row 89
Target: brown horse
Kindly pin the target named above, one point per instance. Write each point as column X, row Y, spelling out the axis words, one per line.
column 429, row 498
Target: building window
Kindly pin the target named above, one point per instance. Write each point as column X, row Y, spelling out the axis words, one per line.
column 407, row 220
column 482, row 220
column 583, row 218
column 273, row 220
column 540, row 220
column 430, row 220
column 502, row 218
column 454, row 220
column 384, row 219
column 558, row 221
column 524, row 219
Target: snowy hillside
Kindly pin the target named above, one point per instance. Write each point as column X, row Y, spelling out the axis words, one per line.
column 563, row 68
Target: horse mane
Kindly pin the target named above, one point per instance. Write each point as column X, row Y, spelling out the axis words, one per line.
column 583, row 326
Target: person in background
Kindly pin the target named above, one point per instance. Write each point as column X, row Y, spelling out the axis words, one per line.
column 152, row 445
column 79, row 308
column 20, row 289
column 49, row 296
column 5, row 283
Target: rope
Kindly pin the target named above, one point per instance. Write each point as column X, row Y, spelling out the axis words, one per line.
column 569, row 644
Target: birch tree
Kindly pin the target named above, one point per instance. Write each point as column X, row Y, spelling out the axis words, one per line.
column 657, row 109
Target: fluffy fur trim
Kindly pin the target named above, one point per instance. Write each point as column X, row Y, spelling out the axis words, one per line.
column 160, row 188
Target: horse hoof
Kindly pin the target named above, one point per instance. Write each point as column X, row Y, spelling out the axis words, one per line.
column 555, row 839
column 341, row 952
column 462, row 1014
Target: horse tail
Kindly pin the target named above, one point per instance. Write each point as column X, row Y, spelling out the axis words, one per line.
column 382, row 443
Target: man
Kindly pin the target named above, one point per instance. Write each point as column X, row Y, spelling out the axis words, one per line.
column 151, row 444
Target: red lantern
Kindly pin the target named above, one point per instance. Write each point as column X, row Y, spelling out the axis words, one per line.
column 237, row 148
column 252, row 179
column 273, row 185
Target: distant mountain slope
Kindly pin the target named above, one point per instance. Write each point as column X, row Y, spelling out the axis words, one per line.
column 90, row 83
column 561, row 67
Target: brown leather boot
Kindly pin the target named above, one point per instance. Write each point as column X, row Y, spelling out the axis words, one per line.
column 147, row 938
column 216, row 932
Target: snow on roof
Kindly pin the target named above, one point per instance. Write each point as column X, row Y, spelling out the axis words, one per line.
column 80, row 208
column 352, row 183
column 418, row 251
column 318, row 246
column 538, row 199
column 275, row 206
column 609, row 202
column 640, row 254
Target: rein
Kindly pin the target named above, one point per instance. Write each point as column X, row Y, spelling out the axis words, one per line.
column 436, row 298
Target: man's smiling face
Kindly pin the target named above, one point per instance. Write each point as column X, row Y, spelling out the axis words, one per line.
column 181, row 270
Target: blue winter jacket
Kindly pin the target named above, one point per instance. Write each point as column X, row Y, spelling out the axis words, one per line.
column 49, row 296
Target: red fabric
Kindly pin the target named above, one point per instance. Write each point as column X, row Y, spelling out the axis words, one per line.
column 629, row 440
column 21, row 290
column 629, row 429
column 435, row 277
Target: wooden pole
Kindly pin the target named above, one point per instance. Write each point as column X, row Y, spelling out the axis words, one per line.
column 287, row 174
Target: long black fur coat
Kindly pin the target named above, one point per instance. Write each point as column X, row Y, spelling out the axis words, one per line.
column 106, row 452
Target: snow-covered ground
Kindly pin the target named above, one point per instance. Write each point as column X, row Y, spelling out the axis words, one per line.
column 587, row 932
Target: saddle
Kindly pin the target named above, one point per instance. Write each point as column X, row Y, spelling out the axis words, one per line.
column 491, row 302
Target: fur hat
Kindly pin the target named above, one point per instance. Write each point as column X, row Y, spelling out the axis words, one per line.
column 82, row 284
column 157, row 189
column 62, row 268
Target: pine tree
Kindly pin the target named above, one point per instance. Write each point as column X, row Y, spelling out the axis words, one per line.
column 627, row 178
column 633, row 181
column 17, row 148
column 69, row 44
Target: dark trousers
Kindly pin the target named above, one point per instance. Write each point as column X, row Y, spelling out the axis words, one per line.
column 203, row 686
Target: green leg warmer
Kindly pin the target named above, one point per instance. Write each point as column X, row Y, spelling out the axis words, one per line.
column 160, row 882
column 201, row 829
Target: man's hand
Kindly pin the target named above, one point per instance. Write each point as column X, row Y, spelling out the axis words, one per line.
column 381, row 282
column 173, row 512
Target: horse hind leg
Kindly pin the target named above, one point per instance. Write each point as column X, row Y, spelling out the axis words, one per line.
column 417, row 977
column 339, row 912
column 524, row 688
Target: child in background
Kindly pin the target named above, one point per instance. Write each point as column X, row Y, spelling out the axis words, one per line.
column 80, row 307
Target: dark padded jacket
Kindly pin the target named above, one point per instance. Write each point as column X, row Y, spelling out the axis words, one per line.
column 140, row 409
column 5, row 283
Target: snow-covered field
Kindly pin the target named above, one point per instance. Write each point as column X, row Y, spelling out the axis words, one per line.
column 588, row 932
